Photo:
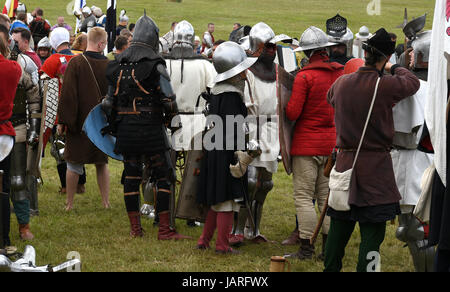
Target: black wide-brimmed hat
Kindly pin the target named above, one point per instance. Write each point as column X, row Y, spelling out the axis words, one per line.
column 380, row 44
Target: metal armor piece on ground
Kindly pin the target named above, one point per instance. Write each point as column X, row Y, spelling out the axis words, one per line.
column 260, row 34
column 187, row 206
column 285, row 82
column 411, row 231
column 93, row 125
column 27, row 263
column 6, row 145
column 414, row 26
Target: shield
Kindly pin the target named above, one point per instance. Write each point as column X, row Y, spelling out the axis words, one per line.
column 6, row 145
column 92, row 127
column 187, row 206
column 285, row 82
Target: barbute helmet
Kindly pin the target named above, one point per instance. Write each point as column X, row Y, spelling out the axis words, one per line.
column 229, row 60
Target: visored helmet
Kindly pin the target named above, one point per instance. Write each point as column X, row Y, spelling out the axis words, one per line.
column 229, row 60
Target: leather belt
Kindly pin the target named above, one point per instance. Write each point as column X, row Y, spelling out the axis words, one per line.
column 362, row 150
column 137, row 110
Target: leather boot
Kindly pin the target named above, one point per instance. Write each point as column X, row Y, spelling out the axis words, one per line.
column 224, row 226
column 305, row 252
column 25, row 233
column 208, row 230
column 321, row 256
column 293, row 239
column 165, row 232
column 135, row 222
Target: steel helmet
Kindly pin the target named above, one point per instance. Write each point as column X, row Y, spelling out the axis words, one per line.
column 229, row 60
column 313, row 38
column 184, row 33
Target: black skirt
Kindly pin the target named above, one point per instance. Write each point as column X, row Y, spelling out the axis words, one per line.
column 370, row 214
column 139, row 135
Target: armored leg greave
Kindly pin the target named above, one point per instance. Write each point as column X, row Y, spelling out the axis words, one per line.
column 264, row 185
column 19, row 193
column 259, row 185
column 32, row 187
column 412, row 231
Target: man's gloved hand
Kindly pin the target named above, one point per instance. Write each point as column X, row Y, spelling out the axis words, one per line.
column 107, row 105
column 240, row 168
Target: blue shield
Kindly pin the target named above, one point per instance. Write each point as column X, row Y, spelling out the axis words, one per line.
column 94, row 123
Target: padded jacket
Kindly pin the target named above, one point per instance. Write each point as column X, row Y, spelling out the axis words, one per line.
column 315, row 133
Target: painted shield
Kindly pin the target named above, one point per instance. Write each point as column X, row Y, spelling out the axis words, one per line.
column 94, row 123
column 6, row 145
column 285, row 82
column 187, row 206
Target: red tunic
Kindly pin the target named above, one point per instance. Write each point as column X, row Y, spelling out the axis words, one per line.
column 10, row 73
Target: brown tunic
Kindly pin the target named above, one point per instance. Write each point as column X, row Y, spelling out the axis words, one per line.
column 373, row 181
column 79, row 95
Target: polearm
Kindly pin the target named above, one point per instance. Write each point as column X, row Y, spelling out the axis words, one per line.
column 110, row 27
column 1, row 209
column 327, row 170
column 320, row 222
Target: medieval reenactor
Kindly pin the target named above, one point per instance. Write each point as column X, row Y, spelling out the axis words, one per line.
column 373, row 194
column 261, row 100
column 54, row 68
column 218, row 188
column 339, row 33
column 314, row 136
column 190, row 75
column 26, row 110
column 140, row 101
column 410, row 163
column 10, row 74
column 208, row 40
column 362, row 36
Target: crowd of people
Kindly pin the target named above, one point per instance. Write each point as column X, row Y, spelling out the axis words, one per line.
column 323, row 104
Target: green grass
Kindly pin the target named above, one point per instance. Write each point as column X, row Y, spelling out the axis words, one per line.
column 102, row 236
column 102, row 239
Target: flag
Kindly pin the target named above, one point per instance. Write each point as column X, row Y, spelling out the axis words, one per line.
column 10, row 7
column 438, row 74
column 110, row 27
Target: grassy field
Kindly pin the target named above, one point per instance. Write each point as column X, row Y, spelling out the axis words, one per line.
column 101, row 236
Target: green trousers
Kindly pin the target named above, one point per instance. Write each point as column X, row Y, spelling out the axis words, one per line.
column 372, row 236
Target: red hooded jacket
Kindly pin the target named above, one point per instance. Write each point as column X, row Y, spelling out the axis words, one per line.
column 315, row 133
column 10, row 73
